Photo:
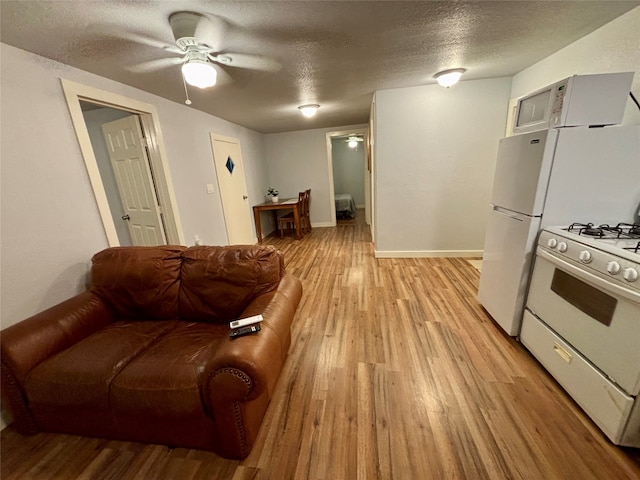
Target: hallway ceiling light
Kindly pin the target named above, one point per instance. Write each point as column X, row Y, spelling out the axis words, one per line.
column 309, row 110
column 353, row 141
column 448, row 78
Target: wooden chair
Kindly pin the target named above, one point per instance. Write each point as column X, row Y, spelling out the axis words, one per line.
column 288, row 221
column 305, row 220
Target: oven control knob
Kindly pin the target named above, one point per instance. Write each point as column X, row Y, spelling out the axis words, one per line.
column 562, row 247
column 613, row 268
column 552, row 242
column 630, row 274
column 585, row 256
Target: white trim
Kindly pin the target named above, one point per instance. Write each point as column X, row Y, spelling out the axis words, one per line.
column 427, row 253
column 323, row 224
column 511, row 117
column 74, row 93
column 332, row 193
column 328, row 137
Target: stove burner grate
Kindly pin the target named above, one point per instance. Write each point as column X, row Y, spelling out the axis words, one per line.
column 635, row 249
column 587, row 229
column 614, row 232
column 630, row 229
column 621, row 230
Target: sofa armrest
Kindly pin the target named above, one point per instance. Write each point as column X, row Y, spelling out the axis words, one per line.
column 239, row 380
column 242, row 368
column 28, row 343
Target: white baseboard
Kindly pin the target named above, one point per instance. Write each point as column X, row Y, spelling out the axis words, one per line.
column 322, row 224
column 427, row 253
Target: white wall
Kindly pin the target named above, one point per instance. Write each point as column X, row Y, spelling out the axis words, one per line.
column 50, row 221
column 297, row 161
column 349, row 169
column 614, row 47
column 435, row 156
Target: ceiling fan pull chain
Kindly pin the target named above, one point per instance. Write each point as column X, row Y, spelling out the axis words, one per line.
column 187, row 101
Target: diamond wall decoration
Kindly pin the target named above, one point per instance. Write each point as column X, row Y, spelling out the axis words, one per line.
column 230, row 165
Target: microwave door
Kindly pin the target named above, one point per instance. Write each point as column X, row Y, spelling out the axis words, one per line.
column 523, row 167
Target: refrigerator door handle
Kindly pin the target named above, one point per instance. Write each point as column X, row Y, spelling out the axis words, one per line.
column 507, row 213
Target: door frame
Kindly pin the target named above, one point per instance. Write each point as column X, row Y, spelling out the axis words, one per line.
column 366, row 174
column 149, row 119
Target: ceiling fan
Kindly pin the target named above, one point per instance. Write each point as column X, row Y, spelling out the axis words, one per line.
column 198, row 42
column 353, row 141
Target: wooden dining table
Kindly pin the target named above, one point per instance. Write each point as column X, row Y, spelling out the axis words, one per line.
column 286, row 204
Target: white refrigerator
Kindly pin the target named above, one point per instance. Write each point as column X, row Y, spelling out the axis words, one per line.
column 551, row 178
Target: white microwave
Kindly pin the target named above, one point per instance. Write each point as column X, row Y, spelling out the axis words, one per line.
column 580, row 100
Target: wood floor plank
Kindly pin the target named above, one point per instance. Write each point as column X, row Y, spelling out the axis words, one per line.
column 395, row 371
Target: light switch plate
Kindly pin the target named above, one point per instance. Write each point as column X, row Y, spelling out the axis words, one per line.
column 210, row 188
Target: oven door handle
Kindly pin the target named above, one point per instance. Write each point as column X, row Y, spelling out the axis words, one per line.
column 587, row 277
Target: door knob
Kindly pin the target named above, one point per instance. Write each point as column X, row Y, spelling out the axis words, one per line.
column 126, row 217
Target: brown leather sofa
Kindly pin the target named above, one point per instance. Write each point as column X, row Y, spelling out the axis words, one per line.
column 144, row 354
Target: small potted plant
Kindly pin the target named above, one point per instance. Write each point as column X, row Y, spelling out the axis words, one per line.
column 273, row 193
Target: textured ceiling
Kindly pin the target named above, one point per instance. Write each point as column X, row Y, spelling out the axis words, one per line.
column 335, row 54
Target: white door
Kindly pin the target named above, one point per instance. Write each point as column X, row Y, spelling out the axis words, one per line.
column 522, row 171
column 227, row 158
column 130, row 164
column 508, row 248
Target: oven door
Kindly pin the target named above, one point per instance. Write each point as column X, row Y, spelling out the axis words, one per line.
column 598, row 318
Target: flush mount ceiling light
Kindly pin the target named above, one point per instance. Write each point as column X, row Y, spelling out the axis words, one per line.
column 447, row 78
column 198, row 71
column 309, row 110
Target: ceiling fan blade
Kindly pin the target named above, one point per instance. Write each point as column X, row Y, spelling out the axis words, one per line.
column 174, row 49
column 207, row 29
column 153, row 65
column 112, row 31
column 242, row 60
column 223, row 77
column 211, row 30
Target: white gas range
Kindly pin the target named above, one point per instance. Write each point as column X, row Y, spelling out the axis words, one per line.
column 582, row 320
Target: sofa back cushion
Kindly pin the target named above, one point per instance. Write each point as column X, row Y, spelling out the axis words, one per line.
column 139, row 282
column 217, row 283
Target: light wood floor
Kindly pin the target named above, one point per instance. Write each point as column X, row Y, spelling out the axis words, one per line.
column 395, row 372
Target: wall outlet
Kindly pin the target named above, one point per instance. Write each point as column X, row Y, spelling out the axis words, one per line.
column 196, row 239
column 210, row 188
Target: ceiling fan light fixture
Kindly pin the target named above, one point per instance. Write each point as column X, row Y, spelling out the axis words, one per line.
column 199, row 73
column 353, row 143
column 309, row 110
column 448, row 78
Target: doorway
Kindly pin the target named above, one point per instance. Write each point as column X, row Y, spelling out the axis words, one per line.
column 77, row 96
column 349, row 172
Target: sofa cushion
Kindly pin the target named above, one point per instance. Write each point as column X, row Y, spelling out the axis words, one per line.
column 217, row 283
column 139, row 281
column 164, row 380
column 81, row 375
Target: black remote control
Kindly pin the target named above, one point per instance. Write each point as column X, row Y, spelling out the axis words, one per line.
column 238, row 332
